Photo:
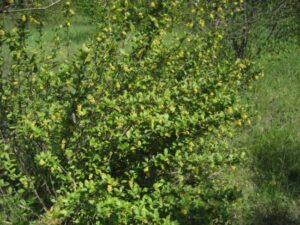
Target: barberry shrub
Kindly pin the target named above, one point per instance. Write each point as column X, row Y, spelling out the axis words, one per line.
column 130, row 130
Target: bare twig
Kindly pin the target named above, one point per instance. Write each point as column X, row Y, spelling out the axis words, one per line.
column 31, row 9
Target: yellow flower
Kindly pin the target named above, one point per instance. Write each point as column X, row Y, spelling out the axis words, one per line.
column 72, row 13
column 172, row 108
column 63, row 144
column 109, row 188
column 24, row 182
column 152, row 4
column 2, row 33
column 139, row 143
column 184, row 211
column 80, row 111
column 156, row 42
column 85, row 49
column 91, row 99
column 146, row 169
column 42, row 162
column 118, row 86
column 249, row 122
column 202, row 23
column 191, row 145
column 112, row 67
column 220, row 36
column 23, row 18
column 230, row 110
column 99, row 39
column 141, row 15
column 190, row 25
column 242, row 66
column 126, row 68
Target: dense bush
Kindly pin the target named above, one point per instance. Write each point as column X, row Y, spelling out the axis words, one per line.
column 131, row 129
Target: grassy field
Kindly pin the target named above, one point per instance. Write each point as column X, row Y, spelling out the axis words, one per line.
column 271, row 178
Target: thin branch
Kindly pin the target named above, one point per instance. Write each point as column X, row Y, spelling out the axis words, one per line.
column 31, row 9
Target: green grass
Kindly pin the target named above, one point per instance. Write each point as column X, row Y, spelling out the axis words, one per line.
column 271, row 177
column 80, row 31
column 274, row 140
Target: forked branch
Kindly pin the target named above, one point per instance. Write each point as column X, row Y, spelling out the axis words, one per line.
column 30, row 9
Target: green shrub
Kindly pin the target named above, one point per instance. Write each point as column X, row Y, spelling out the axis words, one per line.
column 131, row 129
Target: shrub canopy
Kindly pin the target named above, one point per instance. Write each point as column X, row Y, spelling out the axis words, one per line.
column 132, row 128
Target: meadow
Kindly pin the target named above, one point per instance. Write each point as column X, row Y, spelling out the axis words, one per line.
column 270, row 177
